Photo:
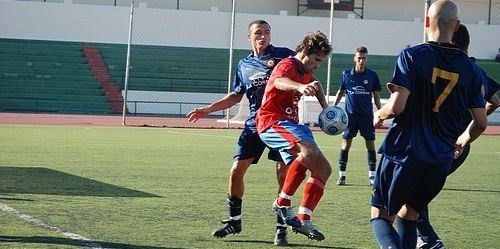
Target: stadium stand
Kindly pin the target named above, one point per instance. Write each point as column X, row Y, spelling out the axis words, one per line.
column 72, row 77
column 44, row 76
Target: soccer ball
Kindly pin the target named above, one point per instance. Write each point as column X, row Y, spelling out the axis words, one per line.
column 333, row 120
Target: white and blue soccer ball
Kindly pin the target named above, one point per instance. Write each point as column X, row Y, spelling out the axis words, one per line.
column 333, row 120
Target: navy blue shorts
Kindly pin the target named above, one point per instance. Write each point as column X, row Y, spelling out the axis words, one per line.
column 362, row 124
column 250, row 145
column 396, row 185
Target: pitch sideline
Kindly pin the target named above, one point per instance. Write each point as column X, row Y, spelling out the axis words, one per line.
column 89, row 243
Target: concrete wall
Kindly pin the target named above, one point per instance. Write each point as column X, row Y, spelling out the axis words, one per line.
column 109, row 24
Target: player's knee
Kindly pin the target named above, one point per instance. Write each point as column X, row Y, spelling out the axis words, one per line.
column 239, row 169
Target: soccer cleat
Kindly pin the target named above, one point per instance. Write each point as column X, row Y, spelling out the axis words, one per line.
column 309, row 230
column 286, row 213
column 341, row 181
column 229, row 227
column 421, row 244
column 281, row 237
column 372, row 180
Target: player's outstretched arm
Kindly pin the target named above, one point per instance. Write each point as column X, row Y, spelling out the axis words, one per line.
column 228, row 101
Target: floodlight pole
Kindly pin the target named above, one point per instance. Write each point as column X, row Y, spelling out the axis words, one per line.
column 127, row 64
column 230, row 66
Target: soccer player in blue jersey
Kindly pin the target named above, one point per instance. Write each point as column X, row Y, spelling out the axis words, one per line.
column 361, row 84
column 433, row 85
column 251, row 78
column 427, row 237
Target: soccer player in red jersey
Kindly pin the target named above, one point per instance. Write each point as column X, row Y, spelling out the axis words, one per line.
column 278, row 127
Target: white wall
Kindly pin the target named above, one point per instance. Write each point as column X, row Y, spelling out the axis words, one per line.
column 109, row 24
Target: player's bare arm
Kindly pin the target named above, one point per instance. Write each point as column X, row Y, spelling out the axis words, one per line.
column 286, row 84
column 338, row 97
column 473, row 131
column 492, row 104
column 228, row 101
column 395, row 105
column 376, row 99
column 320, row 95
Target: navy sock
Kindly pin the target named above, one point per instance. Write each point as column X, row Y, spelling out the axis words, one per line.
column 344, row 156
column 425, row 229
column 407, row 230
column 385, row 234
column 234, row 204
column 372, row 160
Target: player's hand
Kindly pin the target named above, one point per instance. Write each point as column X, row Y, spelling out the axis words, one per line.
column 379, row 125
column 310, row 89
column 458, row 151
column 377, row 121
column 460, row 144
column 196, row 114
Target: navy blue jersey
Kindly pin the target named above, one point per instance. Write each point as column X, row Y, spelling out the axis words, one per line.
column 490, row 85
column 443, row 84
column 252, row 74
column 359, row 88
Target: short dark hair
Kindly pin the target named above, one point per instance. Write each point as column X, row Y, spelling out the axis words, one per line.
column 461, row 38
column 315, row 43
column 362, row 49
column 259, row 21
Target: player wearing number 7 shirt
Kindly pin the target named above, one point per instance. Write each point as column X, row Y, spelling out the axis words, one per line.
column 433, row 85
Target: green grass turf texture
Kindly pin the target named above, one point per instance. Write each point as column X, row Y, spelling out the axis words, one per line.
column 157, row 188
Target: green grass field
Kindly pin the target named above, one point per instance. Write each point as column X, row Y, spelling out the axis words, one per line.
column 156, row 188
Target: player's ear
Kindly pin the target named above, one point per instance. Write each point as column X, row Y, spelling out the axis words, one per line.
column 458, row 25
column 427, row 22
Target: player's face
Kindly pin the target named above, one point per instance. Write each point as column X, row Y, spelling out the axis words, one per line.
column 259, row 36
column 360, row 59
column 313, row 61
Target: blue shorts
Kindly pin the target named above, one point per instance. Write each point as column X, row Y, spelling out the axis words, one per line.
column 396, row 185
column 362, row 124
column 250, row 145
column 284, row 135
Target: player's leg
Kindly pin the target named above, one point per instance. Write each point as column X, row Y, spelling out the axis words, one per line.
column 426, row 235
column 281, row 236
column 247, row 151
column 367, row 131
column 343, row 158
column 313, row 189
column 234, row 199
column 279, row 138
column 428, row 183
column 381, row 221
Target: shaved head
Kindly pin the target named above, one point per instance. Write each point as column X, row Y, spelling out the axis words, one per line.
column 442, row 20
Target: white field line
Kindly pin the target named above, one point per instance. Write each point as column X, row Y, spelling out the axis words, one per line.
column 36, row 222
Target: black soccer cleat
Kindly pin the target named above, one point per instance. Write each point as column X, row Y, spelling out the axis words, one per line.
column 229, row 227
column 341, row 181
column 287, row 214
column 309, row 230
column 281, row 237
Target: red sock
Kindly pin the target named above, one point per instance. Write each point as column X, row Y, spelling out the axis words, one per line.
column 296, row 174
column 313, row 191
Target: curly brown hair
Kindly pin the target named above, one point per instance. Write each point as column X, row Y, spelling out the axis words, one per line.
column 315, row 43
